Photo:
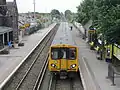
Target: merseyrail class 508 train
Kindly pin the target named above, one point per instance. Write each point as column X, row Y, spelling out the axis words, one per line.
column 63, row 54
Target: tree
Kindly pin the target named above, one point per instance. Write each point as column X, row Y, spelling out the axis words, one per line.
column 70, row 16
column 55, row 14
column 105, row 15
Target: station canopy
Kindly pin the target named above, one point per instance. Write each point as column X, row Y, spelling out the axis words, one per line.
column 5, row 29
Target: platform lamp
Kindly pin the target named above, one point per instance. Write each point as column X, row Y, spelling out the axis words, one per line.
column 15, row 20
column 34, row 8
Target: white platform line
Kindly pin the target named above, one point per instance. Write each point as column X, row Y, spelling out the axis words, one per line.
column 89, row 75
column 83, row 81
column 8, row 78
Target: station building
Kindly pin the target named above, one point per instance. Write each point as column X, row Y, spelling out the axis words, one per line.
column 8, row 21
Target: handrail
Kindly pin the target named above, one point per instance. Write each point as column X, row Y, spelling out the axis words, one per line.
column 111, row 73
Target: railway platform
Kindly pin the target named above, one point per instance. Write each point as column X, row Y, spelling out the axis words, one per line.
column 93, row 71
column 10, row 62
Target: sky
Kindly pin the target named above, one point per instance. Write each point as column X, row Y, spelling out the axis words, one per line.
column 47, row 5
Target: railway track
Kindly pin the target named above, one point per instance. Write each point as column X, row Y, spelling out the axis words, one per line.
column 67, row 84
column 41, row 75
column 28, row 76
column 61, row 84
column 50, row 82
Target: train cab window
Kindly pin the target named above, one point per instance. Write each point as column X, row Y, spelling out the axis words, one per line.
column 63, row 53
column 54, row 54
column 72, row 53
column 58, row 53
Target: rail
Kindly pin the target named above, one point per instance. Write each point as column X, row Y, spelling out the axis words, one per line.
column 41, row 75
column 112, row 71
column 55, row 83
column 33, row 61
column 50, row 83
column 37, row 84
column 37, row 56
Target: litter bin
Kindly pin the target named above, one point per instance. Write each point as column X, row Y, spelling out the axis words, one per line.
column 15, row 45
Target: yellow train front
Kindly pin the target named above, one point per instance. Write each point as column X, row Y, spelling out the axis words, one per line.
column 63, row 55
column 63, row 60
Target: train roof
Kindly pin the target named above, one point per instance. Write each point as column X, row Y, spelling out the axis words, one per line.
column 63, row 35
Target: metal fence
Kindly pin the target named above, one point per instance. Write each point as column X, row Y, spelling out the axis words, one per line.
column 112, row 71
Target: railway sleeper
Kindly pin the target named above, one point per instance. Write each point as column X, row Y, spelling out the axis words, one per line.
column 64, row 74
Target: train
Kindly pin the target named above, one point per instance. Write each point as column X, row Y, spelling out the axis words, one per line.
column 63, row 54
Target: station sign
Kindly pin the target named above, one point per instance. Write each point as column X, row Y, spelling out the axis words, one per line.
column 27, row 25
column 91, row 31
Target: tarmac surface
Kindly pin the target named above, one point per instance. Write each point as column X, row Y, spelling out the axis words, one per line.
column 93, row 71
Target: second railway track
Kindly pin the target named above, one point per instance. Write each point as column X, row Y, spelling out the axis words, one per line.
column 67, row 84
column 29, row 73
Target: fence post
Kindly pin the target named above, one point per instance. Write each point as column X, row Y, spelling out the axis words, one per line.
column 108, row 77
column 113, row 77
column 111, row 74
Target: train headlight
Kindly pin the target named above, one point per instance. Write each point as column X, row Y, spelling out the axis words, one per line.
column 53, row 65
column 73, row 66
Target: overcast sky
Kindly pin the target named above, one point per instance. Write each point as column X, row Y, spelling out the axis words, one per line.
column 47, row 5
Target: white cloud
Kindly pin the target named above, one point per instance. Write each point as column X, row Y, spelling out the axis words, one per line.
column 47, row 5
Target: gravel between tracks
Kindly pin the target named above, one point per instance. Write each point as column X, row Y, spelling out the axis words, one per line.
column 67, row 84
column 31, row 78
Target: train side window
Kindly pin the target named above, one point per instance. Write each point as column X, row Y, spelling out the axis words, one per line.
column 54, row 54
column 58, row 53
column 72, row 54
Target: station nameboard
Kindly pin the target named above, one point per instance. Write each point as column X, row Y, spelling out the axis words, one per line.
column 91, row 31
column 116, row 51
column 27, row 25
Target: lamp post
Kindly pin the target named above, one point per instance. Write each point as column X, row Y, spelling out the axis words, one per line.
column 15, row 22
column 34, row 8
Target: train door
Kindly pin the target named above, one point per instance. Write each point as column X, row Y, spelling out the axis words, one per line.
column 63, row 59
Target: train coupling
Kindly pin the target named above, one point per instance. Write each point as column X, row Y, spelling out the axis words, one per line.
column 63, row 74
